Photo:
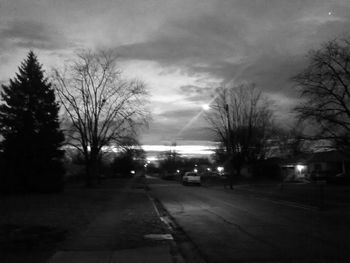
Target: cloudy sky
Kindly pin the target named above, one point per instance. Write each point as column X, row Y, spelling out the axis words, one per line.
column 181, row 49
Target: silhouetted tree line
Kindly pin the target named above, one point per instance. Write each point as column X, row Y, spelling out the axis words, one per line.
column 127, row 160
column 243, row 119
column 324, row 86
column 171, row 161
column 100, row 109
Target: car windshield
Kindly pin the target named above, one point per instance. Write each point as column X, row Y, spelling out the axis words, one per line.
column 192, row 174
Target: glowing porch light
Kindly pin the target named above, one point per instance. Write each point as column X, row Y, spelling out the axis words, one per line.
column 300, row 167
column 220, row 169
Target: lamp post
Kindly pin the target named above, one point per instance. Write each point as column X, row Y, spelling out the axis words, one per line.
column 228, row 129
column 229, row 146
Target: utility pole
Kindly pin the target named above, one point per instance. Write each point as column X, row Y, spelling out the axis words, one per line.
column 229, row 150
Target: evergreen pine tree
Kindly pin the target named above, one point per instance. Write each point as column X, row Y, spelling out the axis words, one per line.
column 29, row 125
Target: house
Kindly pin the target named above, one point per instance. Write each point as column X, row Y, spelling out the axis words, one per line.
column 316, row 166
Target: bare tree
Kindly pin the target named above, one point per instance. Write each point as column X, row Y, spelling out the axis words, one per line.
column 241, row 118
column 325, row 92
column 103, row 109
column 291, row 141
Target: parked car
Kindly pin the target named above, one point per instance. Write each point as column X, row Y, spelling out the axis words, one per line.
column 191, row 178
column 210, row 174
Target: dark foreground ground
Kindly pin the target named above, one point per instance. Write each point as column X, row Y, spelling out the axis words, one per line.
column 33, row 227
column 260, row 223
column 210, row 223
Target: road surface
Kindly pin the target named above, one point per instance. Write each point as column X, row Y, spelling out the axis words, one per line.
column 234, row 227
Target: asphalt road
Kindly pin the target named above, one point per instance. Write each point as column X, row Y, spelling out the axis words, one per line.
column 233, row 227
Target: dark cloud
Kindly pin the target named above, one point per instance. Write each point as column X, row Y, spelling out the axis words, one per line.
column 173, row 50
column 184, row 124
column 209, row 42
column 273, row 73
column 199, row 134
column 258, row 41
column 161, row 131
column 196, row 94
column 179, row 114
column 332, row 30
column 194, row 90
column 32, row 34
column 195, row 40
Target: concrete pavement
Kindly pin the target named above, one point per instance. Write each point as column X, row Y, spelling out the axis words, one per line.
column 229, row 227
column 159, row 254
column 309, row 194
column 118, row 235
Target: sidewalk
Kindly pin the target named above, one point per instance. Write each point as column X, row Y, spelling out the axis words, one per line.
column 118, row 235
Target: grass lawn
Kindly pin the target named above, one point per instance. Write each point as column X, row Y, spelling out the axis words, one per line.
column 33, row 225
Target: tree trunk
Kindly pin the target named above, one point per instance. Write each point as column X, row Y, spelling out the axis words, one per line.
column 89, row 182
column 91, row 170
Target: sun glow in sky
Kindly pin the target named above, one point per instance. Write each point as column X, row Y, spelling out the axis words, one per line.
column 184, row 150
column 183, row 50
column 201, row 149
column 206, row 107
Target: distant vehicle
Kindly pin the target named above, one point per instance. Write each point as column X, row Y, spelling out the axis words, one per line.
column 191, row 178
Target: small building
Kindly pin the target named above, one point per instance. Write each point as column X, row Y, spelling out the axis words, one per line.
column 316, row 166
column 295, row 167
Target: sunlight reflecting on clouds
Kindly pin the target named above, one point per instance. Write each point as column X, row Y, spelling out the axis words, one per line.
column 181, row 149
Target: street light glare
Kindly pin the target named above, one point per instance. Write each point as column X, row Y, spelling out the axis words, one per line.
column 220, row 169
column 206, row 107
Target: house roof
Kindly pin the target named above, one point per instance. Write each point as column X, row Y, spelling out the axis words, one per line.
column 300, row 158
column 329, row 156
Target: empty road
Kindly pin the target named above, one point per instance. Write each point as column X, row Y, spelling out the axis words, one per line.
column 235, row 227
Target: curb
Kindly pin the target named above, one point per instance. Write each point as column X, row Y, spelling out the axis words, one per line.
column 184, row 249
column 174, row 250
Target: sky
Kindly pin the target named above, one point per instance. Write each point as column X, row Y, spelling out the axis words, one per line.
column 183, row 50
